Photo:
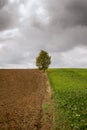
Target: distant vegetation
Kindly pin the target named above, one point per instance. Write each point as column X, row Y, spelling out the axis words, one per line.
column 70, row 97
column 43, row 60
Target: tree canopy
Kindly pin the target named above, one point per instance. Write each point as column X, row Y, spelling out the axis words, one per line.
column 43, row 60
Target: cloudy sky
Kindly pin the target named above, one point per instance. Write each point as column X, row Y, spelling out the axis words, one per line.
column 57, row 26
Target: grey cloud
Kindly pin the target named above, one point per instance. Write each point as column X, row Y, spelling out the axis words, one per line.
column 67, row 13
column 77, row 12
column 3, row 3
column 9, row 15
column 5, row 20
column 73, row 58
column 15, row 53
column 11, row 55
column 58, row 26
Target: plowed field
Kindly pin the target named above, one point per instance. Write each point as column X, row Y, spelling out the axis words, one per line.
column 22, row 93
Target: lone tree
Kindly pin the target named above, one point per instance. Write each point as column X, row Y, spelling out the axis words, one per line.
column 43, row 60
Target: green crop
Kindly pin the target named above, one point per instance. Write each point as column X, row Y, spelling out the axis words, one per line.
column 69, row 88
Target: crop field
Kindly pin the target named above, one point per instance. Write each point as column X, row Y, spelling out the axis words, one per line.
column 69, row 88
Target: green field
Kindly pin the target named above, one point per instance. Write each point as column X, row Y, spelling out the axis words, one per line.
column 69, row 88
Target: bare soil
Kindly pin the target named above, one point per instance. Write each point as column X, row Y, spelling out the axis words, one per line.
column 22, row 93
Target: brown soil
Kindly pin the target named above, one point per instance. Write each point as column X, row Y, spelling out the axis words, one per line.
column 22, row 93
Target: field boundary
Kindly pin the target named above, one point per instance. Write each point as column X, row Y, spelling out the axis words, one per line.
column 46, row 107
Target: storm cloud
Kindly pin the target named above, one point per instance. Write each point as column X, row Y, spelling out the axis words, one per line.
column 9, row 14
column 58, row 26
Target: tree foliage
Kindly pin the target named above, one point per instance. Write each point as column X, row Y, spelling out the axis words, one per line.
column 43, row 60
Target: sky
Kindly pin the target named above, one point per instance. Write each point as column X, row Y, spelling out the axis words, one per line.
column 56, row 26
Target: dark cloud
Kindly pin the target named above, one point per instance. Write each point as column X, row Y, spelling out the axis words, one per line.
column 77, row 10
column 9, row 14
column 3, row 3
column 58, row 26
column 5, row 20
column 66, row 13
